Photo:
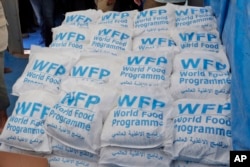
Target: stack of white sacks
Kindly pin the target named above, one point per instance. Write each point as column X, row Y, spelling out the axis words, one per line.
column 134, row 89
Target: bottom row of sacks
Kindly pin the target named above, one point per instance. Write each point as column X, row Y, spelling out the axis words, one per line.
column 141, row 129
column 125, row 157
column 114, row 157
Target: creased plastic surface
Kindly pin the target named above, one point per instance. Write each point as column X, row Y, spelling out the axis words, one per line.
column 233, row 18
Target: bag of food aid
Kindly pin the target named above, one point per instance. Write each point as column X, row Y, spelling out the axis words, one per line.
column 76, row 120
column 25, row 127
column 46, row 69
column 201, row 131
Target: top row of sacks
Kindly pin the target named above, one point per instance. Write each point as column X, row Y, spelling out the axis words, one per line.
column 161, row 18
column 187, row 27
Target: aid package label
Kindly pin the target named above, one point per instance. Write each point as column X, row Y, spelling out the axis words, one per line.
column 153, row 41
column 157, row 19
column 46, row 69
column 200, row 75
column 138, row 120
column 70, row 37
column 77, row 119
column 111, row 40
column 202, row 131
column 193, row 16
column 25, row 127
column 118, row 156
column 118, row 19
column 60, row 149
column 145, row 69
column 195, row 39
column 82, row 19
column 59, row 161
column 96, row 68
